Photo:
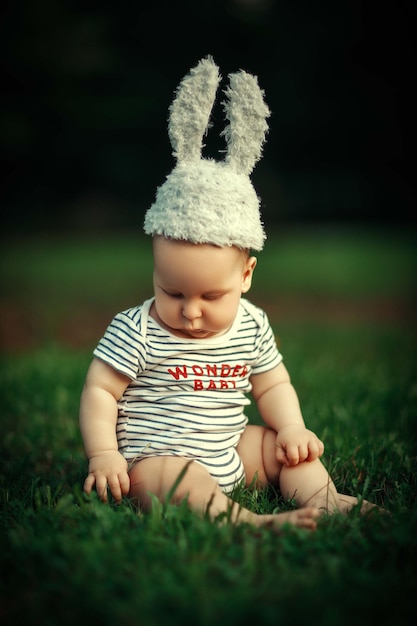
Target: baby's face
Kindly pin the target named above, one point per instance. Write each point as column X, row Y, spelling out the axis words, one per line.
column 198, row 286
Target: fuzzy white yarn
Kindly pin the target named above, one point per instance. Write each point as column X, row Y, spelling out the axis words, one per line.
column 207, row 201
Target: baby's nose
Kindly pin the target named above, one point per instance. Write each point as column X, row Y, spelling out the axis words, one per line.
column 191, row 310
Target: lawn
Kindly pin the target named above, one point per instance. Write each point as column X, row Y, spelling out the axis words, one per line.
column 342, row 306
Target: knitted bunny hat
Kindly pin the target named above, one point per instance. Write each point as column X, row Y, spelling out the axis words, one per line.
column 207, row 201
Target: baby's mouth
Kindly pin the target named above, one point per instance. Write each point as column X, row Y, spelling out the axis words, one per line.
column 196, row 332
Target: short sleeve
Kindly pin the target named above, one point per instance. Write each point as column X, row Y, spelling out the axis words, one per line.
column 122, row 345
column 268, row 355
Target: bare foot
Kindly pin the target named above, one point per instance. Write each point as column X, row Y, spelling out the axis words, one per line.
column 300, row 518
column 347, row 503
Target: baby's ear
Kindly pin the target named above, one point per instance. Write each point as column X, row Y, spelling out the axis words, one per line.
column 248, row 270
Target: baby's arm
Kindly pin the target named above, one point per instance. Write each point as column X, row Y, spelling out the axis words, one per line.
column 98, row 416
column 279, row 407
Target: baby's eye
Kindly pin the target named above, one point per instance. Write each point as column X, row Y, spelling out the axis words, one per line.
column 172, row 294
column 213, row 296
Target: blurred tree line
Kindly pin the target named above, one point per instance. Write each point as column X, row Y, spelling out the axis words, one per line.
column 86, row 87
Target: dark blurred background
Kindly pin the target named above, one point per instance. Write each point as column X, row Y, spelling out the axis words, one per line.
column 86, row 87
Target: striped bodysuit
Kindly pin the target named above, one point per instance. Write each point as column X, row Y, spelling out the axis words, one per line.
column 187, row 396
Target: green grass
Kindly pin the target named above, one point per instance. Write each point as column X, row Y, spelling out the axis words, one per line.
column 348, row 263
column 66, row 557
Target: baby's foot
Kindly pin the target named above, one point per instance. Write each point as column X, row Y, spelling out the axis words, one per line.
column 300, row 518
column 347, row 503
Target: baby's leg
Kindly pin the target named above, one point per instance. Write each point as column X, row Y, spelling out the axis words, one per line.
column 157, row 475
column 308, row 483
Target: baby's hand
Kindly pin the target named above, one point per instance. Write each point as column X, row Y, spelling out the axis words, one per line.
column 108, row 469
column 296, row 444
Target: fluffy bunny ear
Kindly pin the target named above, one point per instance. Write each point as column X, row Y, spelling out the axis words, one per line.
column 247, row 113
column 190, row 110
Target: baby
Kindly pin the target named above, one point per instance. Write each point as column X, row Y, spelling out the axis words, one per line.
column 165, row 394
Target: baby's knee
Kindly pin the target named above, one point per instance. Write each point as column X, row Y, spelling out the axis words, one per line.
column 272, row 467
column 149, row 476
column 172, row 478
